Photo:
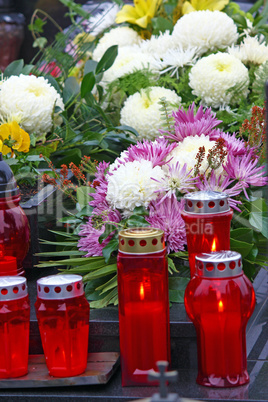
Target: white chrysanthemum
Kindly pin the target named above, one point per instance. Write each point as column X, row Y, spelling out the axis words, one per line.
column 30, row 101
column 142, row 110
column 206, row 30
column 121, row 36
column 213, row 78
column 97, row 23
column 156, row 45
column 128, row 60
column 187, row 150
column 132, row 185
column 173, row 59
column 251, row 50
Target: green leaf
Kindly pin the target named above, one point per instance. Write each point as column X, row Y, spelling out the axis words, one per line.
column 60, row 253
column 136, row 221
column 90, row 66
column 171, row 266
column 104, row 287
column 105, row 301
column 242, row 234
column 107, row 59
column 241, row 247
column 109, row 228
column 40, row 42
column 71, row 89
column 259, row 221
column 88, row 83
column 161, row 24
column 109, row 248
column 177, row 286
column 83, row 195
column 106, row 270
column 14, row 68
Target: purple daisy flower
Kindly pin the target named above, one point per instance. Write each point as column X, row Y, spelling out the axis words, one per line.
column 100, row 184
column 234, row 145
column 187, row 124
column 166, row 215
column 177, row 179
column 244, row 169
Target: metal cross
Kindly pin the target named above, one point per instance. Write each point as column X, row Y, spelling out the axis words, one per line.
column 163, row 376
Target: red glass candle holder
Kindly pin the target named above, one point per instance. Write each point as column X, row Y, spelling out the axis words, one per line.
column 14, row 326
column 63, row 317
column 14, row 226
column 219, row 300
column 143, row 303
column 207, row 217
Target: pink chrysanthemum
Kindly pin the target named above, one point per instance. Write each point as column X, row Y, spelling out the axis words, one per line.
column 234, row 145
column 166, row 215
column 89, row 241
column 222, row 185
column 100, row 184
column 187, row 124
column 245, row 170
column 177, row 179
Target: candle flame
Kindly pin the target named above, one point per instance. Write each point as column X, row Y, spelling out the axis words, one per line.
column 213, row 246
column 220, row 306
column 142, row 291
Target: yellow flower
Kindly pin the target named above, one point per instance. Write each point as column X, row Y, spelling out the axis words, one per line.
column 141, row 14
column 13, row 132
column 197, row 5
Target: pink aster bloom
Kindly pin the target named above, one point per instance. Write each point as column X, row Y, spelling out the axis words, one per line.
column 222, row 185
column 155, row 151
column 177, row 179
column 89, row 241
column 100, row 184
column 234, row 145
column 166, row 215
column 187, row 124
column 244, row 169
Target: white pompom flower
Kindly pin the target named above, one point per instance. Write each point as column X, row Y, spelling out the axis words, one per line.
column 121, row 36
column 219, row 80
column 205, row 30
column 142, row 110
column 133, row 184
column 250, row 51
column 156, row 45
column 30, row 101
column 128, row 60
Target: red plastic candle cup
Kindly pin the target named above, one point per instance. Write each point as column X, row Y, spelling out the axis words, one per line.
column 207, row 216
column 14, row 326
column 63, row 317
column 219, row 300
column 143, row 303
column 14, row 226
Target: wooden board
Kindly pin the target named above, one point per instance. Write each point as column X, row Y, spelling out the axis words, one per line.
column 100, row 368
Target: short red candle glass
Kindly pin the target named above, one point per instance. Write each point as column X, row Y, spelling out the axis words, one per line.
column 63, row 318
column 143, row 303
column 14, row 326
column 14, row 226
column 207, row 216
column 219, row 300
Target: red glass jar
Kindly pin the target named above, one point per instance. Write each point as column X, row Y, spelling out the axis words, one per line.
column 14, row 225
column 207, row 216
column 63, row 317
column 143, row 303
column 219, row 300
column 14, row 326
column 11, row 33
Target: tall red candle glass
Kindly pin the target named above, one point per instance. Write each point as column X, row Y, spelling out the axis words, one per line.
column 14, row 326
column 143, row 303
column 207, row 217
column 219, row 300
column 14, row 226
column 63, row 318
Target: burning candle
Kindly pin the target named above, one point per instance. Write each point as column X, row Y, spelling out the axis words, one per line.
column 143, row 303
column 14, row 326
column 63, row 318
column 207, row 217
column 219, row 300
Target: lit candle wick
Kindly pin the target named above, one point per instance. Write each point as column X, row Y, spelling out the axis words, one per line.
column 220, row 306
column 141, row 291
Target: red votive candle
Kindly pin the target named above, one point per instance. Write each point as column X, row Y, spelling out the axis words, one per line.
column 14, row 326
column 14, row 226
column 143, row 303
column 63, row 318
column 207, row 217
column 219, row 300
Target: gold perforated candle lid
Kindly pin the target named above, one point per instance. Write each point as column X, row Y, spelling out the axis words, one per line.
column 141, row 240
